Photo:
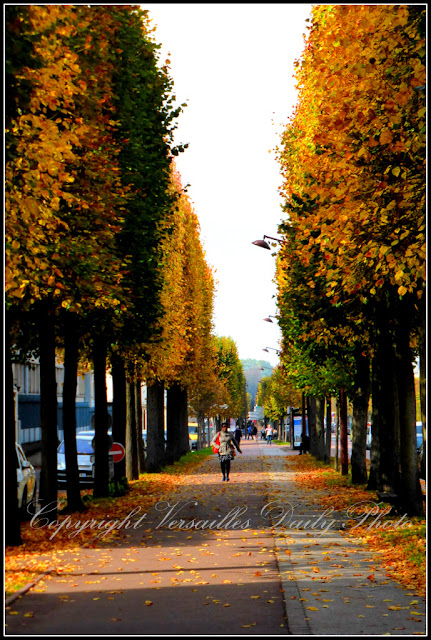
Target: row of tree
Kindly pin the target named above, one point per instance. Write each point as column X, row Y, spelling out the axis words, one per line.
column 104, row 265
column 351, row 269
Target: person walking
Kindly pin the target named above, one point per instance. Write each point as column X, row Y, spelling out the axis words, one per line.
column 238, row 434
column 226, row 445
column 305, row 444
column 254, row 433
column 269, row 434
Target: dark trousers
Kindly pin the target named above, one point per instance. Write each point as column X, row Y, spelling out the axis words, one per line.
column 225, row 468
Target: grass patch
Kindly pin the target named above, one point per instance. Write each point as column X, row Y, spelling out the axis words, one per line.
column 412, row 539
column 188, row 461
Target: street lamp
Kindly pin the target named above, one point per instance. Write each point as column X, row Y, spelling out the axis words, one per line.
column 268, row 319
column 272, row 348
column 264, row 244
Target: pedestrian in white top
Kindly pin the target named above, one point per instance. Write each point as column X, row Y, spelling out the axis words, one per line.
column 269, row 432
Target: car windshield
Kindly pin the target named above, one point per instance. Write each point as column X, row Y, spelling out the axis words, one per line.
column 193, row 429
column 82, row 446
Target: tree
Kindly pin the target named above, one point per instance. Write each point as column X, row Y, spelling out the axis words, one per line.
column 353, row 162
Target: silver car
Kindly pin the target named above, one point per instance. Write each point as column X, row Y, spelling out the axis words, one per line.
column 84, row 446
column 26, row 481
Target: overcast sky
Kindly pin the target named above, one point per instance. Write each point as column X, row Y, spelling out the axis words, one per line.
column 233, row 65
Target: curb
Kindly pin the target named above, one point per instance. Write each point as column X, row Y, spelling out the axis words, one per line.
column 26, row 587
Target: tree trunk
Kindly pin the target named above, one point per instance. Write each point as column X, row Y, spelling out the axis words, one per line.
column 71, row 356
column 132, row 466
column 119, row 411
column 218, row 424
column 410, row 489
column 12, row 519
column 328, row 434
column 343, row 433
column 177, row 423
column 155, row 427
column 48, row 413
column 320, row 427
column 384, row 472
column 101, row 438
column 311, row 412
column 139, row 426
column 337, row 436
column 208, row 431
column 201, row 431
column 361, row 400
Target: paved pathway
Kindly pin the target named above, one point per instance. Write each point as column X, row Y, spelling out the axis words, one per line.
column 212, row 559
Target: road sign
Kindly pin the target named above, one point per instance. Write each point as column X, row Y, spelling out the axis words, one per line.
column 117, row 451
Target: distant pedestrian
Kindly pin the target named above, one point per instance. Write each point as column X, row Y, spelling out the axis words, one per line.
column 304, row 447
column 263, row 433
column 269, row 431
column 238, row 434
column 226, row 444
column 249, row 432
column 254, row 432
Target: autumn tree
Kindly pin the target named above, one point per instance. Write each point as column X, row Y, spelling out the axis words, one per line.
column 182, row 359
column 86, row 97
column 353, row 164
column 231, row 375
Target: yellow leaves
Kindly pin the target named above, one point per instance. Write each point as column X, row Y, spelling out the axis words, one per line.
column 385, row 137
column 421, row 112
column 399, row 274
column 403, row 96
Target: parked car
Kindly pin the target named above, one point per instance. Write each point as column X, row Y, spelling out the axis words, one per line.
column 85, row 451
column 26, row 481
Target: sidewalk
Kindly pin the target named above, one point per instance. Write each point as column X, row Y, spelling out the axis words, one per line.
column 237, row 573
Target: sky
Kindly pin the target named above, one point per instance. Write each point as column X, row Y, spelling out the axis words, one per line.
column 233, row 65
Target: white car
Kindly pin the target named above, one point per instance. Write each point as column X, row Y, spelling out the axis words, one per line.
column 26, row 481
column 84, row 447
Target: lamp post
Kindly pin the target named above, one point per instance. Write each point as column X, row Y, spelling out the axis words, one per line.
column 272, row 349
column 268, row 319
column 264, row 244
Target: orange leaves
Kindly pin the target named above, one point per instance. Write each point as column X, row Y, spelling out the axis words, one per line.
column 350, row 123
column 43, row 193
column 385, row 137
